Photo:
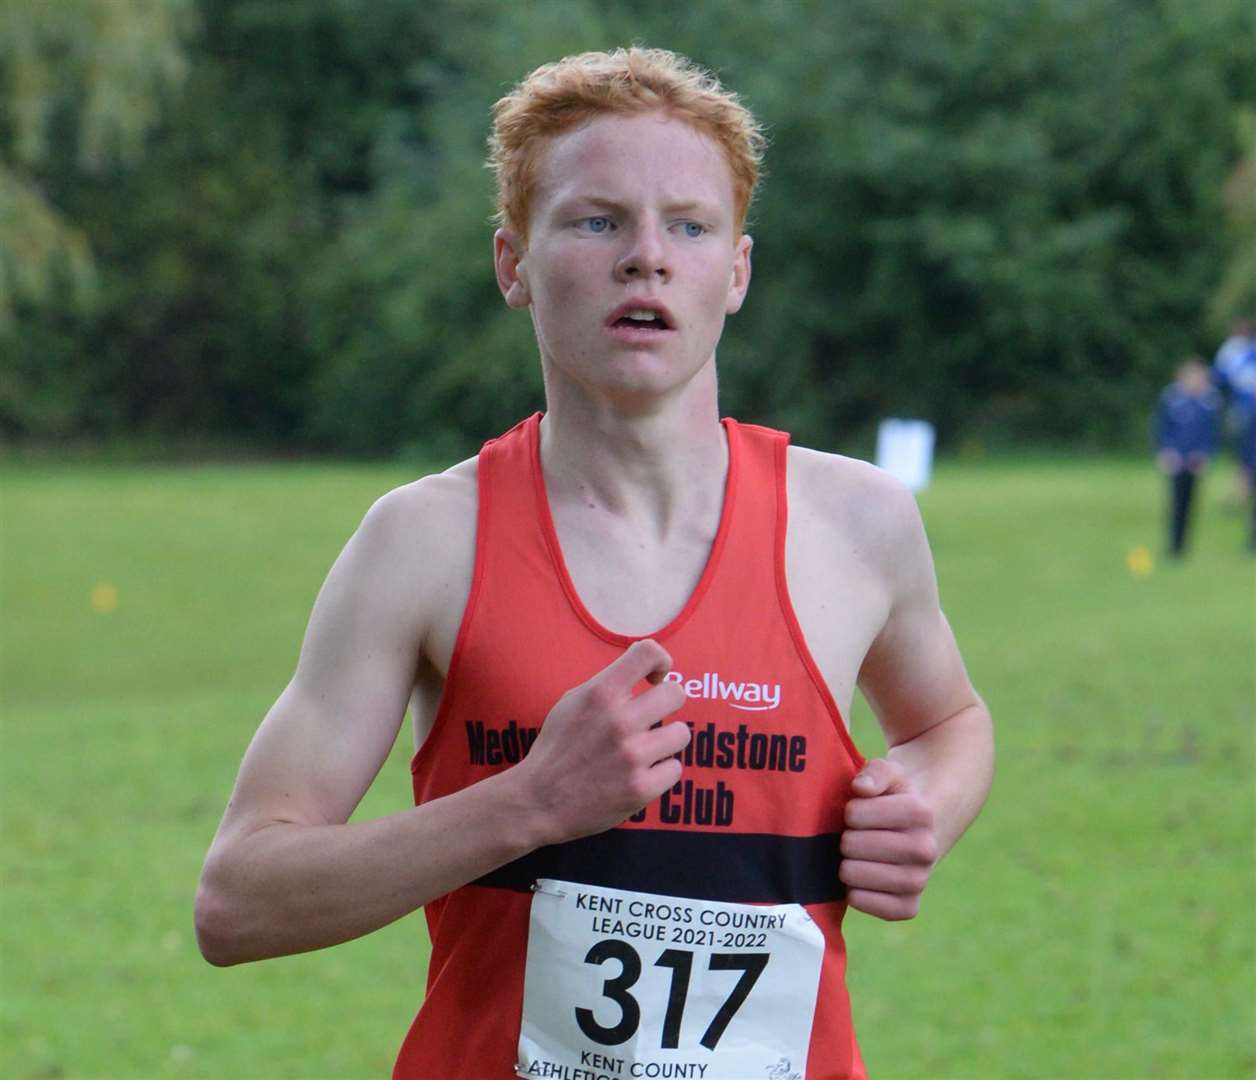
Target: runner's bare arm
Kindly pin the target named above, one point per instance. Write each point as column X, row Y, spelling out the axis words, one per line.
column 909, row 809
column 287, row 874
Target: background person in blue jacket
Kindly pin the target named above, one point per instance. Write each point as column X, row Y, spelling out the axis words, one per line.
column 1247, row 459
column 1234, row 373
column 1186, row 437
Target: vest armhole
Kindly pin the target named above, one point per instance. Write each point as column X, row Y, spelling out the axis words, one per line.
column 781, row 452
column 483, row 508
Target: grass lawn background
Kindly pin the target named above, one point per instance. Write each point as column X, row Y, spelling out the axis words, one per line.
column 1098, row 922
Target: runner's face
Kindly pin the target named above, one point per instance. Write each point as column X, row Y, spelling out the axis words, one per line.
column 631, row 216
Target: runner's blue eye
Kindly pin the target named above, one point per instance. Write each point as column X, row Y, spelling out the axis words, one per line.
column 693, row 229
column 598, row 224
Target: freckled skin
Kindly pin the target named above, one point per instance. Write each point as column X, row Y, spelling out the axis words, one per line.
column 628, row 207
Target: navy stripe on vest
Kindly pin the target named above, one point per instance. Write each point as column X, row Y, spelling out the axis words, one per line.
column 747, row 868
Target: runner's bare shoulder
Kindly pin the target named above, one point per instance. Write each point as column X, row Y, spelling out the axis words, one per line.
column 421, row 536
column 863, row 510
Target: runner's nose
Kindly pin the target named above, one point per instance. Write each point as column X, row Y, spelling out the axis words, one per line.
column 646, row 258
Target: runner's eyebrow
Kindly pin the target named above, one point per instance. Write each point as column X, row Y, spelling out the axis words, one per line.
column 580, row 203
column 598, row 202
column 690, row 206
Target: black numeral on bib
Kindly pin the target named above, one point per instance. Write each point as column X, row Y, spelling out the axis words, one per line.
column 751, row 966
column 617, row 990
column 680, row 962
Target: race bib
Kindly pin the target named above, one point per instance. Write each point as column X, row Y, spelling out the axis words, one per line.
column 621, row 985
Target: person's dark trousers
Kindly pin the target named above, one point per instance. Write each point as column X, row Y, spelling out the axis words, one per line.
column 1182, row 491
column 1251, row 536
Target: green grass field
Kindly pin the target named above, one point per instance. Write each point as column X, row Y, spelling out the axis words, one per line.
column 1098, row 922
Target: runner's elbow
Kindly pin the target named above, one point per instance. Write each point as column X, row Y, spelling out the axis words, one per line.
column 214, row 934
column 222, row 922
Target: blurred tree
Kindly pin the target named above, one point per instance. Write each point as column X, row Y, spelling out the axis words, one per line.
column 1236, row 294
column 200, row 325
column 999, row 216
column 81, row 85
column 416, row 347
column 206, row 317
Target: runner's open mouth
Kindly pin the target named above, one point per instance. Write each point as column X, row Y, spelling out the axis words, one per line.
column 656, row 323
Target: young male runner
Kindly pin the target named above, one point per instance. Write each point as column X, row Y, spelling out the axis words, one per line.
column 630, row 634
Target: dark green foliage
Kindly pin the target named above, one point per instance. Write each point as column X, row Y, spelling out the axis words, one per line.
column 1007, row 218
column 1013, row 224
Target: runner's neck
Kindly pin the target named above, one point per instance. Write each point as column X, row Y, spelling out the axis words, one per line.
column 653, row 470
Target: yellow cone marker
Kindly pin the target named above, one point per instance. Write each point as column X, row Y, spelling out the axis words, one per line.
column 1139, row 562
column 104, row 598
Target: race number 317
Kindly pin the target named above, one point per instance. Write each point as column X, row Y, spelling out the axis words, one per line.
column 621, row 983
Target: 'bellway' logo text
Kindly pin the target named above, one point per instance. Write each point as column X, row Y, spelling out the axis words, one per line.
column 748, row 696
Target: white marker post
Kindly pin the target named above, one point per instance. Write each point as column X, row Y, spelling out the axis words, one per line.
column 905, row 451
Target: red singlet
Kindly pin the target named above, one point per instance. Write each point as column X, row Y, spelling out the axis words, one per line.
column 759, row 810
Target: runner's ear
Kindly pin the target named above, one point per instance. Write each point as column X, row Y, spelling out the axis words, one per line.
column 739, row 280
column 508, row 255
